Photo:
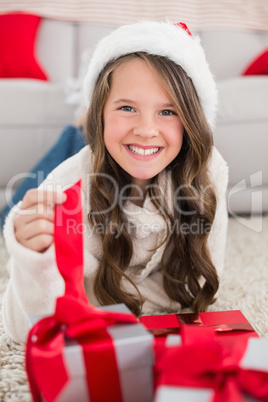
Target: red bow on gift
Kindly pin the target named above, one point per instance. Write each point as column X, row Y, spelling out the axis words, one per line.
column 74, row 318
column 202, row 362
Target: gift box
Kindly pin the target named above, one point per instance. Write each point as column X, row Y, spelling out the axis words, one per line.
column 133, row 346
column 230, row 327
column 202, row 369
column 82, row 352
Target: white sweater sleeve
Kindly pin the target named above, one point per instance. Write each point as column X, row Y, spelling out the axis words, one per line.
column 35, row 281
column 218, row 234
column 34, row 284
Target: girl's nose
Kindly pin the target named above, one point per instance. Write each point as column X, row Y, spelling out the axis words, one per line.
column 146, row 126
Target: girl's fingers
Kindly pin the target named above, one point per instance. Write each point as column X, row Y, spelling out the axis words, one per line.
column 35, row 228
column 35, row 197
column 36, row 231
column 25, row 216
column 34, row 223
column 37, row 204
column 39, row 243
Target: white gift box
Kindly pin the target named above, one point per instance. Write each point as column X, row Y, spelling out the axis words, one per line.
column 133, row 346
column 254, row 358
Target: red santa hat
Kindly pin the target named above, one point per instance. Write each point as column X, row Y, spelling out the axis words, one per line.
column 173, row 41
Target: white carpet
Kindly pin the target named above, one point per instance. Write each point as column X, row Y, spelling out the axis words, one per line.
column 244, row 286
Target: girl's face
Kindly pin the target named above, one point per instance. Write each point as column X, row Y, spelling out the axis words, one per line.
column 142, row 131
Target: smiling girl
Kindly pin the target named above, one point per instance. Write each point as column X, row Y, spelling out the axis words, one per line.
column 153, row 185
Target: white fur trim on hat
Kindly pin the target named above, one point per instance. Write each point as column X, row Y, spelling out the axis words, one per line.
column 163, row 39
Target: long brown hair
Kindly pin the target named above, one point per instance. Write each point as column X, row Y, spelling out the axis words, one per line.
column 186, row 259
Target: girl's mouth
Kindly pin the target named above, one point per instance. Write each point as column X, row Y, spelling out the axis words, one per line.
column 143, row 152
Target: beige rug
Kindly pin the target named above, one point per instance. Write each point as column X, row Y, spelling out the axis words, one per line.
column 244, row 286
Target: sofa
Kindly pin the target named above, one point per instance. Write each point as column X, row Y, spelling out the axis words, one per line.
column 33, row 112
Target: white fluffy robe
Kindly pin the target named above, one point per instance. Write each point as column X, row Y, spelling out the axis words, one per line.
column 35, row 282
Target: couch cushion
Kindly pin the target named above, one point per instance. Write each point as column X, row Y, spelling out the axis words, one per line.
column 243, row 98
column 32, row 116
column 88, row 35
column 33, row 102
column 56, row 49
column 241, row 132
column 230, row 51
column 259, row 66
column 18, row 38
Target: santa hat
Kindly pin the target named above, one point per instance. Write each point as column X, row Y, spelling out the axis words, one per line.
column 173, row 41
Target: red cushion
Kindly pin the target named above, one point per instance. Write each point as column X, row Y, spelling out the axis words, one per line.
column 17, row 47
column 259, row 66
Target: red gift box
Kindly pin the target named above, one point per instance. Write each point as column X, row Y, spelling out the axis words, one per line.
column 82, row 352
column 230, row 326
column 203, row 369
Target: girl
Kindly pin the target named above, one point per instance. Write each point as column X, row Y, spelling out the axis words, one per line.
column 153, row 185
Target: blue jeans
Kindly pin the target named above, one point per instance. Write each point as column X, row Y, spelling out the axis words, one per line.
column 70, row 142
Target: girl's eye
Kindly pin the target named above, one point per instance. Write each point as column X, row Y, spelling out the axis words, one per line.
column 167, row 113
column 126, row 109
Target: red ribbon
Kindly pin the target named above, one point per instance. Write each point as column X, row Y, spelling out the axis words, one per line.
column 202, row 362
column 74, row 318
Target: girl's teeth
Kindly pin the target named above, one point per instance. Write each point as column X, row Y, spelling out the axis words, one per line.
column 141, row 151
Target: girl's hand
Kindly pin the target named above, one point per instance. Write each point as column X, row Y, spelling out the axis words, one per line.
column 34, row 226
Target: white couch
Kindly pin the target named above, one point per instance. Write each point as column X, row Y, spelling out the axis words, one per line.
column 33, row 113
